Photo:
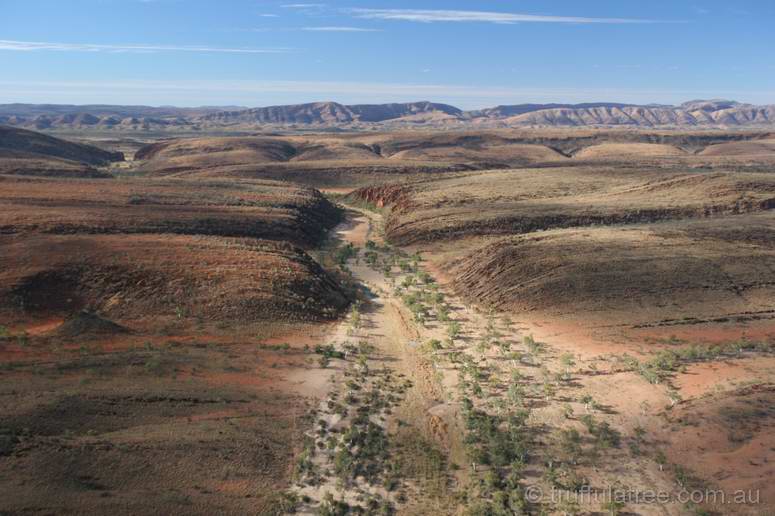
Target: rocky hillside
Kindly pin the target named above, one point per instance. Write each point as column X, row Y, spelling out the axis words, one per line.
column 15, row 142
column 97, row 116
column 693, row 114
column 31, row 153
column 690, row 114
column 332, row 113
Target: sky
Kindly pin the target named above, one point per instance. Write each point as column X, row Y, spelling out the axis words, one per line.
column 471, row 54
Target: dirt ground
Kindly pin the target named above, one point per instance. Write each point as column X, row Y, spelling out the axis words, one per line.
column 600, row 319
column 138, row 423
column 665, row 323
column 154, row 337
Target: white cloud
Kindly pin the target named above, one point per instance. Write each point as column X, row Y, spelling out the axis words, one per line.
column 29, row 46
column 309, row 9
column 304, row 6
column 429, row 16
column 339, row 29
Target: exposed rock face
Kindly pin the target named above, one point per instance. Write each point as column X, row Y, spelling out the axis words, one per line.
column 521, row 109
column 332, row 113
column 394, row 196
column 643, row 116
column 696, row 113
column 382, row 112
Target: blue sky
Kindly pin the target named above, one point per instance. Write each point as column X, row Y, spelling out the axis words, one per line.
column 468, row 53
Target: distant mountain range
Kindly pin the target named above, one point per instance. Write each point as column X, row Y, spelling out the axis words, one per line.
column 697, row 114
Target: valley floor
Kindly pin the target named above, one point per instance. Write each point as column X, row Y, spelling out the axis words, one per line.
column 435, row 407
column 417, row 403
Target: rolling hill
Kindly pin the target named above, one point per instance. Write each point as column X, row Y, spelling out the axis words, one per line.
column 25, row 152
column 21, row 141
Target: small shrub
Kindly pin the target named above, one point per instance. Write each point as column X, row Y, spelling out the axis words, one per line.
column 453, row 330
column 532, row 345
column 613, row 507
column 434, row 345
column 23, row 339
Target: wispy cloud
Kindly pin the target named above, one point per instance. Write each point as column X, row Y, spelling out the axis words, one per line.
column 309, row 9
column 339, row 29
column 30, row 46
column 303, row 6
column 430, row 16
column 324, row 28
